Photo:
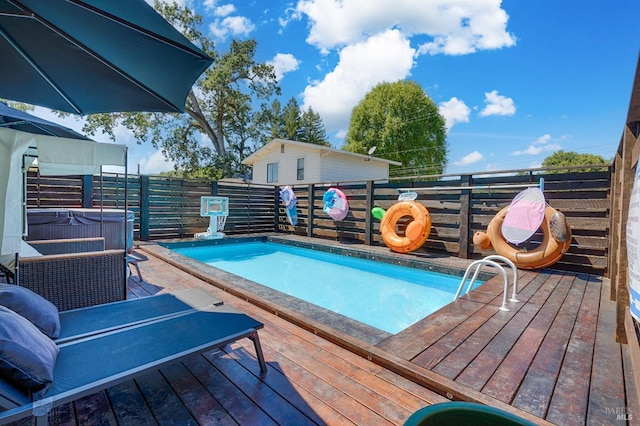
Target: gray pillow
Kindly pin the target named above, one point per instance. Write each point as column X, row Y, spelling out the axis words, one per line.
column 27, row 357
column 42, row 313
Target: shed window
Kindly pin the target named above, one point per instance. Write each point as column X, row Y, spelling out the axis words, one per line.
column 272, row 172
column 300, row 169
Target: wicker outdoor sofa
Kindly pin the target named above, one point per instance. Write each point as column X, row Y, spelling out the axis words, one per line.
column 74, row 273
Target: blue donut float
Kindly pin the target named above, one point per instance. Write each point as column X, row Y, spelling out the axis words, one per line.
column 335, row 204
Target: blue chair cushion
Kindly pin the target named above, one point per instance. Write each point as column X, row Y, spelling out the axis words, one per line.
column 42, row 313
column 27, row 356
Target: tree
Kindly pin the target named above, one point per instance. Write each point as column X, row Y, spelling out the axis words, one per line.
column 404, row 125
column 269, row 122
column 290, row 123
column 219, row 108
column 291, row 120
column 312, row 128
column 571, row 158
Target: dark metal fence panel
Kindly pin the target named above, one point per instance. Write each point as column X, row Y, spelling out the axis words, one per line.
column 457, row 213
column 108, row 191
column 174, row 207
column 459, row 206
column 53, row 191
column 251, row 208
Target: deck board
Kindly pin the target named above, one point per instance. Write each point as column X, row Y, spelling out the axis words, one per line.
column 129, row 405
column 606, row 388
column 550, row 358
column 537, row 386
column 512, row 370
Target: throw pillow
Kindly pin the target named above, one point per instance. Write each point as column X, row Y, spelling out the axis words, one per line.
column 27, row 357
column 42, row 313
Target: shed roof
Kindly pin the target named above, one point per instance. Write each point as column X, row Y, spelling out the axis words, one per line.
column 275, row 144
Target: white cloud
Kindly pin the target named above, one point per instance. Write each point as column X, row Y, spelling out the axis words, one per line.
column 224, row 10
column 497, row 105
column 541, row 145
column 454, row 111
column 471, row 158
column 154, row 164
column 361, row 66
column 284, row 63
column 455, row 26
column 233, row 26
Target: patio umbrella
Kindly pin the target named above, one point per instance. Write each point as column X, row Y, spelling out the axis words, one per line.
column 90, row 56
column 11, row 118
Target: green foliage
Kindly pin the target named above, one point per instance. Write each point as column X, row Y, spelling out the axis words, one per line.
column 291, row 120
column 312, row 128
column 269, row 122
column 404, row 124
column 220, row 107
column 571, row 158
column 291, row 123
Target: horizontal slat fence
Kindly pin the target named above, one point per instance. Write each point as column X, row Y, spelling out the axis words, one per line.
column 53, row 191
column 167, row 207
column 456, row 214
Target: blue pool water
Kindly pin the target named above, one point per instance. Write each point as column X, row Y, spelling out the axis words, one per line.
column 385, row 296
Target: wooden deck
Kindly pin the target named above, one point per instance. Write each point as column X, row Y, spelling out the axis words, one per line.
column 553, row 354
column 309, row 380
column 551, row 358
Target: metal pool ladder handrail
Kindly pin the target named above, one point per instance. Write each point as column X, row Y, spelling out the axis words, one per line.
column 491, row 261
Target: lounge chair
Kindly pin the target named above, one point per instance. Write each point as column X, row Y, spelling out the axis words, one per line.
column 71, row 273
column 80, row 323
column 76, row 280
column 153, row 332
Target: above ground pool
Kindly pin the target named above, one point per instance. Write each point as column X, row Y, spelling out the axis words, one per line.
column 385, row 296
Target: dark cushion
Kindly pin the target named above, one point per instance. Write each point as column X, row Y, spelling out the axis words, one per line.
column 27, row 356
column 42, row 313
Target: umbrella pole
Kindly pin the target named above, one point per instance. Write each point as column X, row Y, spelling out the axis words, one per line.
column 101, row 204
column 16, row 264
column 126, row 217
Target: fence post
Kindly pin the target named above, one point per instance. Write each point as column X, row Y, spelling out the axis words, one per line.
column 311, row 213
column 87, row 191
column 464, row 251
column 144, row 208
column 368, row 220
column 276, row 210
column 214, row 188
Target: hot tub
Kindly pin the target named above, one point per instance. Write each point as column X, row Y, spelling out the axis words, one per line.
column 56, row 223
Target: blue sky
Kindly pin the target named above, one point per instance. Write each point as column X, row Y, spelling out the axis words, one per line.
column 516, row 80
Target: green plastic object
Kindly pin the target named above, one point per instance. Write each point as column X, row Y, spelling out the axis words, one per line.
column 462, row 414
column 378, row 212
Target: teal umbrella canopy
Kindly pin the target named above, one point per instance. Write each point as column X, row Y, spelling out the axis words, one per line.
column 91, row 56
column 11, row 118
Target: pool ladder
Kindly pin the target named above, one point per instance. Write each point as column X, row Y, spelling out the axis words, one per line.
column 492, row 261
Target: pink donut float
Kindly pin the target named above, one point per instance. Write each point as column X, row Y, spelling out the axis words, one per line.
column 335, row 204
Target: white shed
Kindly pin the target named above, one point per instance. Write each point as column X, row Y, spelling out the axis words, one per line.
column 285, row 162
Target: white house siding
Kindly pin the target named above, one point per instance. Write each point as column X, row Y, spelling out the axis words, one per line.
column 321, row 164
column 288, row 166
column 336, row 167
